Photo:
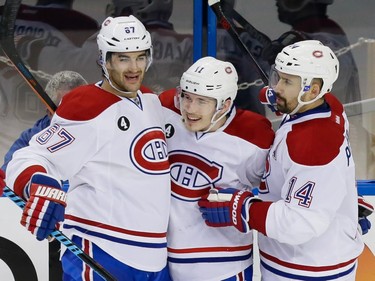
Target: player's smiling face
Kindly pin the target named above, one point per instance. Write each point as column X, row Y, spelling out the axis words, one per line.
column 197, row 111
column 126, row 70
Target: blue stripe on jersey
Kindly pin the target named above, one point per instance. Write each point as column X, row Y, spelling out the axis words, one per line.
column 306, row 278
column 210, row 259
column 246, row 275
column 116, row 239
column 75, row 268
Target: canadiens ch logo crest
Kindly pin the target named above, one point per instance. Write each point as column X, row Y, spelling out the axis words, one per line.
column 149, row 152
column 192, row 175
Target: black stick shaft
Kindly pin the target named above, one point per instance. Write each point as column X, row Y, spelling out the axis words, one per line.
column 227, row 25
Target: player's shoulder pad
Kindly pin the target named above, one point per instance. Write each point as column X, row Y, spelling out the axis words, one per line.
column 317, row 142
column 85, row 103
column 252, row 127
column 167, row 99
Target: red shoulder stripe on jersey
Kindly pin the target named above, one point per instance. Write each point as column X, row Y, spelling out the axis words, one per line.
column 315, row 142
column 85, row 103
column 167, row 99
column 334, row 104
column 252, row 127
column 258, row 216
column 24, row 178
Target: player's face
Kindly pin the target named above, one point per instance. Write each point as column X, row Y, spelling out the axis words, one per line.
column 126, row 70
column 197, row 111
column 287, row 90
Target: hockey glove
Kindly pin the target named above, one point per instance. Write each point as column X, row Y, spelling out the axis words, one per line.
column 267, row 96
column 364, row 210
column 2, row 182
column 45, row 207
column 270, row 52
column 227, row 207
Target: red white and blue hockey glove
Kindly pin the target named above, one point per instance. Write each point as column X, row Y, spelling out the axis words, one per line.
column 45, row 206
column 267, row 96
column 364, row 210
column 2, row 182
column 227, row 207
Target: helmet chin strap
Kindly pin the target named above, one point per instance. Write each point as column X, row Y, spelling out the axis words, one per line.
column 302, row 103
column 213, row 123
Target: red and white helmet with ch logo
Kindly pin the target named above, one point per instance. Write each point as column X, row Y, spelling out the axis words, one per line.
column 123, row 34
column 211, row 78
column 309, row 59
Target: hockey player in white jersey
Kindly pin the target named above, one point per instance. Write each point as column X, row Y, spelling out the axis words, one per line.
column 211, row 144
column 113, row 152
column 307, row 222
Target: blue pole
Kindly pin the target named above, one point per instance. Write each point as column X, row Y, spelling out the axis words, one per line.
column 211, row 32
column 197, row 29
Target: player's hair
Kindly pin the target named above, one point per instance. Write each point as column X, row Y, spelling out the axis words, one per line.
column 63, row 81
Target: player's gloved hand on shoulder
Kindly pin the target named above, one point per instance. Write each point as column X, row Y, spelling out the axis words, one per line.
column 364, row 210
column 45, row 206
column 227, row 207
column 2, row 182
column 267, row 96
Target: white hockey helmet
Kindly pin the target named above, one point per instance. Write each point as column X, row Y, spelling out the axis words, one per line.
column 144, row 9
column 211, row 78
column 297, row 5
column 123, row 34
column 308, row 59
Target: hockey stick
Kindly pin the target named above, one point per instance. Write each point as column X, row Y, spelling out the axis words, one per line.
column 253, row 32
column 7, row 44
column 227, row 25
column 65, row 241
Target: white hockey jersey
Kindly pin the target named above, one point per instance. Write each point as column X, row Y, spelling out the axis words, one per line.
column 233, row 156
column 113, row 152
column 309, row 232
